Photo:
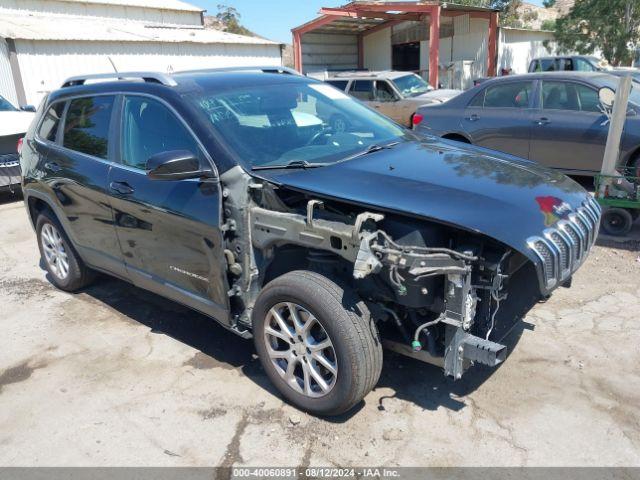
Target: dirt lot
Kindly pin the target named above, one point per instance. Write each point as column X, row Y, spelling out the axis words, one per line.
column 118, row 376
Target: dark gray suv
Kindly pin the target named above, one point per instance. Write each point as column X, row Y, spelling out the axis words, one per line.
column 230, row 193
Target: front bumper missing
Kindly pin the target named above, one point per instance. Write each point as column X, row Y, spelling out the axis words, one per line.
column 463, row 349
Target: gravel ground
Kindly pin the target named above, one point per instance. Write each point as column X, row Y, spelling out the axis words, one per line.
column 118, row 376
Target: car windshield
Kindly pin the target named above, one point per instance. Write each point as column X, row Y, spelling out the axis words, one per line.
column 5, row 105
column 295, row 125
column 411, row 85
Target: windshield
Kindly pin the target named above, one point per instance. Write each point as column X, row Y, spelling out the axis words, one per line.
column 295, row 124
column 411, row 85
column 5, row 106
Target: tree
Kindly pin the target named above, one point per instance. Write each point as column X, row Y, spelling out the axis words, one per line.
column 229, row 17
column 612, row 27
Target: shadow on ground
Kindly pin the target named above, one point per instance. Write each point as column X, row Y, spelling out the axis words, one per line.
column 7, row 196
column 217, row 347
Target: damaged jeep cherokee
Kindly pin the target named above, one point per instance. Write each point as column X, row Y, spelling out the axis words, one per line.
column 229, row 192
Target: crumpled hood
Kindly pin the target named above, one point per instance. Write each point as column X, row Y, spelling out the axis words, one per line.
column 502, row 197
column 12, row 123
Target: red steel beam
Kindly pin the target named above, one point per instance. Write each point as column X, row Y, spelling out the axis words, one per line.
column 315, row 24
column 381, row 26
column 492, row 50
column 434, row 45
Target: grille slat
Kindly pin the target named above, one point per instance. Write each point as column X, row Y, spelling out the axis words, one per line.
column 562, row 250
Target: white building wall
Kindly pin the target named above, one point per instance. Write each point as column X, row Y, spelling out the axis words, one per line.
column 377, row 50
column 517, row 48
column 130, row 13
column 45, row 65
column 322, row 51
column 7, row 87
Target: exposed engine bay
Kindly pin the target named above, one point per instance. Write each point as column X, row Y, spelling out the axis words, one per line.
column 434, row 290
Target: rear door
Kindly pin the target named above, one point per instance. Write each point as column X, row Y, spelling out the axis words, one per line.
column 569, row 130
column 169, row 230
column 76, row 169
column 499, row 117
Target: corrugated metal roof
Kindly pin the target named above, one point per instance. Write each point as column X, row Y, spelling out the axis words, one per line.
column 33, row 27
column 157, row 4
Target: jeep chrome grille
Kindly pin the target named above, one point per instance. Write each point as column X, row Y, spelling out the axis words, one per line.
column 562, row 249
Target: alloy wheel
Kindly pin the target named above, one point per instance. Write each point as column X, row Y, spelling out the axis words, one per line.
column 54, row 251
column 300, row 349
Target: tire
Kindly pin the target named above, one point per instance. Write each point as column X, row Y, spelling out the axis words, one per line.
column 340, row 316
column 617, row 221
column 55, row 248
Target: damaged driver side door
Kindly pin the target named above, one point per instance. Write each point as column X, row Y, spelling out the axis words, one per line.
column 168, row 229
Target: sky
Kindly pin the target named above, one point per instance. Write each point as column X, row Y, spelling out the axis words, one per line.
column 274, row 19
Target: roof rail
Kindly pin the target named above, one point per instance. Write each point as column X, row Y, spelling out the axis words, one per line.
column 263, row 69
column 152, row 77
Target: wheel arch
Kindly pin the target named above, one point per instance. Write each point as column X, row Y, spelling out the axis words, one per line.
column 458, row 137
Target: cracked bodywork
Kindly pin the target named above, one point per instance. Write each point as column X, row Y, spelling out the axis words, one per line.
column 430, row 287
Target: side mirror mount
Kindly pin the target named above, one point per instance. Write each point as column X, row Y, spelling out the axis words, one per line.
column 606, row 95
column 28, row 108
column 176, row 165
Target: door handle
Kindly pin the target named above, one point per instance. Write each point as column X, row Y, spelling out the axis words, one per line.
column 53, row 167
column 542, row 121
column 473, row 117
column 122, row 188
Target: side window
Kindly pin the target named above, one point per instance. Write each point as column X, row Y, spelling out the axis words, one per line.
column 478, row 100
column 583, row 66
column 535, row 66
column 566, row 64
column 86, row 126
column 384, row 92
column 362, row 90
column 339, row 84
column 588, row 98
column 148, row 128
column 51, row 121
column 510, row 95
column 547, row 65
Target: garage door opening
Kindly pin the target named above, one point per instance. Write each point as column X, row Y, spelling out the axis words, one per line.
column 406, row 57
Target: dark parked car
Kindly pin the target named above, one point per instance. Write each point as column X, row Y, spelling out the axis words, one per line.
column 578, row 63
column 227, row 192
column 552, row 118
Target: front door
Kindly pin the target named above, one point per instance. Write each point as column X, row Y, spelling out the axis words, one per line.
column 569, row 130
column 499, row 117
column 169, row 230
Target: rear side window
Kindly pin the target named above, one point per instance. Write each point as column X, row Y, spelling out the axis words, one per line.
column 362, row 90
column 149, row 128
column 51, row 121
column 583, row 66
column 510, row 95
column 339, row 84
column 547, row 65
column 86, row 126
column 569, row 96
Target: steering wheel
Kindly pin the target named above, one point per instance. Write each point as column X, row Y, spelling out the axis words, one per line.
column 326, row 132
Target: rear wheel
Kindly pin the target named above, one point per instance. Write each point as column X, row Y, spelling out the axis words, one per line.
column 617, row 221
column 66, row 269
column 317, row 342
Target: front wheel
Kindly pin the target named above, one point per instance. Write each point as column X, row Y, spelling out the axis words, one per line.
column 617, row 221
column 317, row 342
